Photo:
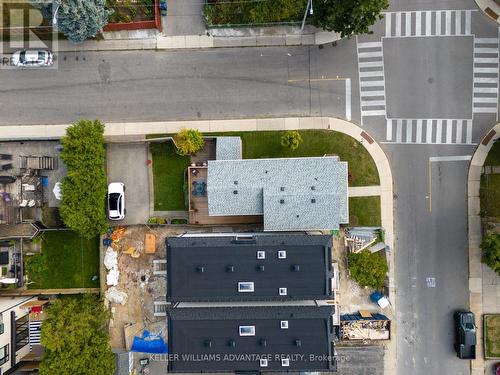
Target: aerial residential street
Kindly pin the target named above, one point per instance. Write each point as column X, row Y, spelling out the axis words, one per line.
column 421, row 85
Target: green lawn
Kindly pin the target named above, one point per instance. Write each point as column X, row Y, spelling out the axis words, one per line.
column 364, row 211
column 266, row 144
column 66, row 261
column 490, row 195
column 493, row 157
column 168, row 176
column 492, row 334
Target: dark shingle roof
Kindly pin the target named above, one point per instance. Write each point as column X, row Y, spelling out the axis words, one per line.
column 210, row 268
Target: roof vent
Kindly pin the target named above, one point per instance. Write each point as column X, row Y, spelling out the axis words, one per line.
column 229, row 268
column 261, row 254
column 236, row 182
column 283, row 291
column 260, row 268
column 235, row 191
column 207, row 343
column 285, row 362
column 267, row 171
column 200, row 269
column 296, row 268
column 282, row 201
column 282, row 254
column 282, row 188
column 298, row 343
column 313, row 187
column 263, row 342
column 263, row 362
column 231, row 343
column 284, row 324
column 313, row 200
column 298, row 216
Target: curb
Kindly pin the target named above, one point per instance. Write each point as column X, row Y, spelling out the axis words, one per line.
column 491, row 8
column 475, row 235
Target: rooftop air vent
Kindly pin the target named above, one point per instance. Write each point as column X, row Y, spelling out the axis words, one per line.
column 235, row 191
column 229, row 268
column 200, row 269
column 282, row 201
column 313, row 200
column 298, row 343
column 313, row 187
column 260, row 268
column 236, row 182
column 263, row 362
column 263, row 342
column 296, row 268
column 207, row 343
column 284, row 324
column 285, row 362
column 282, row 254
column 282, row 188
column 283, row 291
column 261, row 254
column 231, row 343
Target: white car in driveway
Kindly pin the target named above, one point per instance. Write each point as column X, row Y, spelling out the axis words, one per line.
column 32, row 58
column 116, row 201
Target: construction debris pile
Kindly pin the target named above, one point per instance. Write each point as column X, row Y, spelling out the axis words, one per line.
column 365, row 326
column 111, row 263
column 361, row 238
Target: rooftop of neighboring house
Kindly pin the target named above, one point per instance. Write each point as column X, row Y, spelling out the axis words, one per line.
column 292, row 194
column 250, row 268
column 251, row 339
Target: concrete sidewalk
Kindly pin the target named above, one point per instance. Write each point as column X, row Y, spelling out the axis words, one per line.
column 184, row 17
column 475, row 237
column 364, row 191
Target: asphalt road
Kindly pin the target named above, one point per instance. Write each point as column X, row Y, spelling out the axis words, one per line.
column 429, row 77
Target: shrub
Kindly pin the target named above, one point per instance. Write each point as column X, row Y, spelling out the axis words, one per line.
column 291, row 139
column 84, row 188
column 491, row 251
column 368, row 269
column 189, row 141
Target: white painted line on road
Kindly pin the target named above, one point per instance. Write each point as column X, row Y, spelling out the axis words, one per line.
column 398, row 23
column 467, row 21
column 399, row 130
column 439, row 130
column 485, row 41
column 373, row 103
column 408, row 24
column 388, row 24
column 458, row 22
column 362, row 55
column 449, row 128
column 434, row 159
column 431, row 282
column 388, row 132
column 438, row 23
column 373, row 93
column 458, row 136
column 486, row 50
column 468, row 138
column 485, row 79
column 419, row 131
column 485, row 60
column 482, row 99
column 380, row 112
column 362, row 45
column 348, row 99
column 428, row 131
column 485, row 109
column 372, row 74
column 418, row 23
column 372, row 83
column 370, row 64
column 409, row 130
column 448, row 22
column 485, row 90
column 428, row 23
column 486, row 70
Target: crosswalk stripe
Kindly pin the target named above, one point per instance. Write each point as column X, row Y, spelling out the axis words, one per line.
column 373, row 103
column 486, row 70
column 363, row 45
column 485, row 41
column 449, row 127
column 482, row 99
column 388, row 134
column 489, row 50
column 362, row 55
column 398, row 24
column 467, row 21
column 438, row 23
column 439, row 130
column 370, row 64
column 469, row 132
column 372, row 83
column 458, row 135
column 419, row 131
column 379, row 112
column 388, row 24
column 485, row 79
column 372, row 93
column 399, row 130
column 485, row 109
column 409, row 130
column 428, row 23
column 485, row 60
column 448, row 22
column 428, row 133
column 458, row 22
column 418, row 23
column 371, row 74
column 485, row 90
column 408, row 24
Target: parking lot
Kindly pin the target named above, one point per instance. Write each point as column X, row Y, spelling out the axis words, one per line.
column 127, row 163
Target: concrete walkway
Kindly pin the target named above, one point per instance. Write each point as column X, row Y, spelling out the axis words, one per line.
column 184, row 17
column 137, row 131
column 491, row 8
column 477, row 286
column 364, row 191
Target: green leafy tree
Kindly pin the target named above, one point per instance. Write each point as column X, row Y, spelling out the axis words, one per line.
column 491, row 251
column 79, row 20
column 368, row 269
column 291, row 139
column 84, row 188
column 75, row 338
column 189, row 141
column 348, row 17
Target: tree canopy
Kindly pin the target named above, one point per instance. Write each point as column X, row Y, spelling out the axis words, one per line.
column 84, row 188
column 348, row 17
column 75, row 338
column 291, row 139
column 79, row 20
column 368, row 269
column 491, row 251
column 189, row 141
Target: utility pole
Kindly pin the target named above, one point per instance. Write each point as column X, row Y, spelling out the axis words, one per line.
column 309, row 9
column 54, row 17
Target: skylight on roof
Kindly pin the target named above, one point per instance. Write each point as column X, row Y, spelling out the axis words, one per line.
column 282, row 254
column 247, row 330
column 285, row 362
column 261, row 254
column 283, row 291
column 284, row 324
column 245, row 286
column 263, row 362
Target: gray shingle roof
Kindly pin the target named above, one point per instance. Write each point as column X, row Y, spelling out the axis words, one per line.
column 292, row 194
column 228, row 148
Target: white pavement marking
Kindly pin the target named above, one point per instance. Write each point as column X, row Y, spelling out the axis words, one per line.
column 418, row 23
column 348, row 99
column 372, row 81
column 485, row 76
column 448, row 131
column 443, row 22
column 434, row 159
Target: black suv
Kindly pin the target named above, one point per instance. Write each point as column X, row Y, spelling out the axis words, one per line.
column 465, row 335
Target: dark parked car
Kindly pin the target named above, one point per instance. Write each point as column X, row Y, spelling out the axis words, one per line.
column 465, row 335
column 497, row 368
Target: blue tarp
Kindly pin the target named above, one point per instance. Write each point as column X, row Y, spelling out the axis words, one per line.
column 149, row 343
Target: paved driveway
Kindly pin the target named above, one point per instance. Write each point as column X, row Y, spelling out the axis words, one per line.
column 360, row 360
column 126, row 162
